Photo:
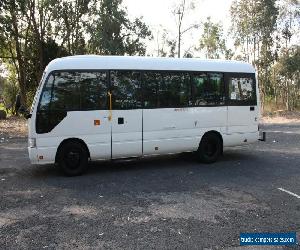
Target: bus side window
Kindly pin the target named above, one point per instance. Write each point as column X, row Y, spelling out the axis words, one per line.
column 174, row 90
column 42, row 115
column 70, row 91
column 126, row 87
column 151, row 81
column 46, row 94
column 54, row 103
column 208, row 89
column 66, row 92
column 242, row 90
column 93, row 90
column 216, row 81
column 200, row 83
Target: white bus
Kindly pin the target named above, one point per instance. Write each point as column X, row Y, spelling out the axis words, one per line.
column 111, row 107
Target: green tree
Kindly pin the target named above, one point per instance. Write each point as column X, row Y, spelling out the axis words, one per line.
column 289, row 20
column 40, row 16
column 25, row 30
column 34, row 32
column 286, row 78
column 14, row 30
column 212, row 42
column 10, row 89
column 253, row 26
column 70, row 26
column 112, row 33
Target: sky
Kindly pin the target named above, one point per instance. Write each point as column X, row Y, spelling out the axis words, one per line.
column 158, row 14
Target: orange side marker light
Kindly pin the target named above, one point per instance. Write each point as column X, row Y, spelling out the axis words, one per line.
column 96, row 122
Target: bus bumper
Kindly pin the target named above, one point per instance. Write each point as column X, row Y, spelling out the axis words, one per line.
column 33, row 155
column 42, row 155
column 262, row 136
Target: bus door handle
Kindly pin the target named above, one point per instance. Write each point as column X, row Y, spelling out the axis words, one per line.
column 252, row 108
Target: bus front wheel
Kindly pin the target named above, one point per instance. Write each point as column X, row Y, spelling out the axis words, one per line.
column 73, row 158
column 210, row 148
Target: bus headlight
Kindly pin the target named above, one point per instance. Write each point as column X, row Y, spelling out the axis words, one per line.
column 32, row 142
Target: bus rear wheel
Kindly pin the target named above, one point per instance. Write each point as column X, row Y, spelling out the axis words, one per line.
column 73, row 158
column 210, row 148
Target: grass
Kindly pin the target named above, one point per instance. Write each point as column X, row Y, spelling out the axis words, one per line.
column 2, row 106
column 8, row 112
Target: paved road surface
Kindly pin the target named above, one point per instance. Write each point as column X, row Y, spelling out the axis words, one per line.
column 162, row 203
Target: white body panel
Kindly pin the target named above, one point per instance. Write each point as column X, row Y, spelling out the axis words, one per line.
column 77, row 124
column 145, row 131
column 147, row 63
column 174, row 130
column 127, row 137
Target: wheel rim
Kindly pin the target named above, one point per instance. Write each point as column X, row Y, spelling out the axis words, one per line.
column 72, row 158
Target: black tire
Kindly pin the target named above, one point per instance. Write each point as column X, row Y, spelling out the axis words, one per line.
column 210, row 148
column 73, row 158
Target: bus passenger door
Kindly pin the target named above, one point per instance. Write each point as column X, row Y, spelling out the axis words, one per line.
column 126, row 114
column 126, row 133
column 242, row 104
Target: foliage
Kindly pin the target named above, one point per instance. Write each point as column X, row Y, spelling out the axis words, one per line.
column 10, row 90
column 70, row 26
column 253, row 25
column 286, row 78
column 34, row 32
column 288, row 21
column 111, row 32
column 212, row 42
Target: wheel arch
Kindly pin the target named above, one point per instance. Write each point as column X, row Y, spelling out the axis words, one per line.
column 73, row 139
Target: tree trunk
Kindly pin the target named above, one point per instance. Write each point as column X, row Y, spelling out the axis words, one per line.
column 19, row 58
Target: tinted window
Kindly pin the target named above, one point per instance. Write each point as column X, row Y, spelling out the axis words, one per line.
column 166, row 89
column 174, row 90
column 93, row 90
column 208, row 89
column 46, row 94
column 242, row 90
column 151, row 82
column 126, row 86
column 70, row 91
column 66, row 91
column 42, row 116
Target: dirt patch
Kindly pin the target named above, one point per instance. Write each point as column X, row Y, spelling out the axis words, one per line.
column 13, row 127
column 281, row 117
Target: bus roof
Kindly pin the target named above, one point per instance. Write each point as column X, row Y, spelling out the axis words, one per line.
column 95, row 62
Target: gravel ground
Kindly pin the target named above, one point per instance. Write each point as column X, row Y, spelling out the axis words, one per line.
column 168, row 202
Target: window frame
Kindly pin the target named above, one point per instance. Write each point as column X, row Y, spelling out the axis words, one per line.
column 192, row 73
column 225, row 83
column 164, row 72
column 108, row 86
column 111, row 87
column 48, row 111
column 230, row 102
